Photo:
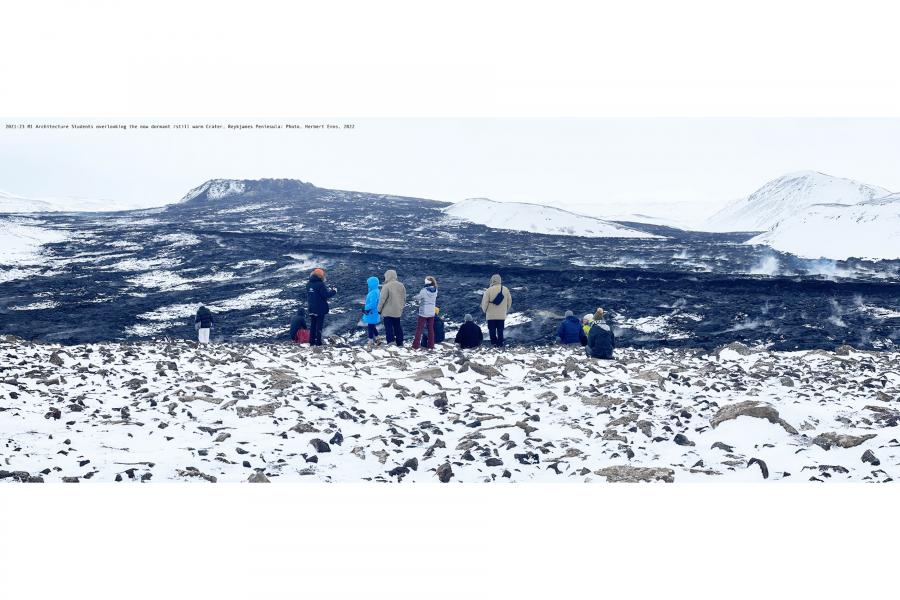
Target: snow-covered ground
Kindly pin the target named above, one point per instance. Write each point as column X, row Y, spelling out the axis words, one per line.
column 788, row 196
column 14, row 203
column 22, row 241
column 168, row 410
column 870, row 229
column 537, row 218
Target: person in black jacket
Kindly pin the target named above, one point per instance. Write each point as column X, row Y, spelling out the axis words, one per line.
column 469, row 334
column 601, row 339
column 317, row 295
column 439, row 335
column 203, row 323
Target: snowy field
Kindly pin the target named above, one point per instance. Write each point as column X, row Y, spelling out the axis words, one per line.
column 169, row 411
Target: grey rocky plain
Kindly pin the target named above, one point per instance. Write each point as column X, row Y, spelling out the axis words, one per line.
column 172, row 411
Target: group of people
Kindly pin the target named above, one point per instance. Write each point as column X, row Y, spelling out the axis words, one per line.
column 592, row 332
column 385, row 303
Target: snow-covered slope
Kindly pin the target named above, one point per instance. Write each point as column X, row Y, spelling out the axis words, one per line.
column 788, row 196
column 22, row 240
column 170, row 411
column 537, row 218
column 12, row 203
column 870, row 229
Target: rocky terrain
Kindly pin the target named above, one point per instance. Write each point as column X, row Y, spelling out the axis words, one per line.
column 170, row 411
column 245, row 249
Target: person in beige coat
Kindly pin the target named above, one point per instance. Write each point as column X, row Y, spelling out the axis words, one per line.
column 495, row 304
column 391, row 303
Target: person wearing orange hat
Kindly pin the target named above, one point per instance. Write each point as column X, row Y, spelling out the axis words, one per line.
column 317, row 295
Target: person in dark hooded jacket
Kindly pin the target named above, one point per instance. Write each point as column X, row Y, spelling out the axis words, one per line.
column 601, row 339
column 570, row 331
column 469, row 334
column 317, row 295
column 298, row 322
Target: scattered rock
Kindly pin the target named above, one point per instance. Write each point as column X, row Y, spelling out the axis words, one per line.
column 629, row 474
column 827, row 440
column 444, row 473
column 869, row 457
column 762, row 466
column 320, row 445
column 751, row 408
column 258, row 477
column 257, row 411
column 682, row 440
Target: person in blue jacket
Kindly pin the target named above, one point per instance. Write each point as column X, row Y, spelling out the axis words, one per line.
column 370, row 310
column 570, row 330
column 317, row 295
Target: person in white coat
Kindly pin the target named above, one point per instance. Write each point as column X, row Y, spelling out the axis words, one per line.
column 427, row 298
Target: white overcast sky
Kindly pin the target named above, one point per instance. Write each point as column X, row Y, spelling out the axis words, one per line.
column 597, row 166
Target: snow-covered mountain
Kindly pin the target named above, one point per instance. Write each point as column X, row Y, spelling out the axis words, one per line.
column 537, row 218
column 870, row 229
column 215, row 189
column 789, row 196
column 13, row 203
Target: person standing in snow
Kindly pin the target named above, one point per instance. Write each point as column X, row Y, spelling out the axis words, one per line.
column 495, row 304
column 427, row 298
column 317, row 295
column 390, row 306
column 299, row 332
column 370, row 310
column 469, row 334
column 570, row 331
column 601, row 341
column 439, row 335
column 203, row 322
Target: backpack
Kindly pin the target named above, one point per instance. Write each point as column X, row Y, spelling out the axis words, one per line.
column 302, row 336
column 498, row 298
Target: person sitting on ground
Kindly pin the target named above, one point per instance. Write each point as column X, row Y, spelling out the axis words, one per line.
column 203, row 322
column 569, row 331
column 390, row 306
column 370, row 310
column 317, row 295
column 439, row 336
column 601, row 340
column 427, row 297
column 299, row 332
column 495, row 304
column 469, row 334
column 586, row 322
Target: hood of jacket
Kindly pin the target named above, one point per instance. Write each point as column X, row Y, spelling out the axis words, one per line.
column 315, row 277
column 430, row 289
column 573, row 319
column 372, row 282
column 390, row 275
column 495, row 280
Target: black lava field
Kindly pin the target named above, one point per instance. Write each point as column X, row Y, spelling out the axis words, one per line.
column 141, row 274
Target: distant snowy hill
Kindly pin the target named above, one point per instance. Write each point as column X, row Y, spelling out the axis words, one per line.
column 215, row 189
column 870, row 229
column 536, row 218
column 12, row 203
column 789, row 196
